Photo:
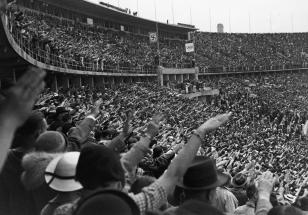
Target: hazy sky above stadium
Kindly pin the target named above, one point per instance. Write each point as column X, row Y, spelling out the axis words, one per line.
column 265, row 15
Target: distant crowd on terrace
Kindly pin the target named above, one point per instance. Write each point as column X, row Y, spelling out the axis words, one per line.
column 70, row 44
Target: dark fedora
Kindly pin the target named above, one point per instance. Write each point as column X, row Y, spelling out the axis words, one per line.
column 202, row 175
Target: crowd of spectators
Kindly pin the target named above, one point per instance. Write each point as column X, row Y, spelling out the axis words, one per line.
column 142, row 139
column 251, row 50
column 82, row 46
column 140, row 148
column 69, row 43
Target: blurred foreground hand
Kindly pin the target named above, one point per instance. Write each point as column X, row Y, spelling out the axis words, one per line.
column 19, row 99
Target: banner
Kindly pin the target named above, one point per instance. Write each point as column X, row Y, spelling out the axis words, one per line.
column 189, row 47
column 153, row 37
column 89, row 21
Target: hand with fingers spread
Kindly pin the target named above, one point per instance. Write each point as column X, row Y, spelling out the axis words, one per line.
column 96, row 108
column 265, row 185
column 153, row 126
column 19, row 99
column 126, row 129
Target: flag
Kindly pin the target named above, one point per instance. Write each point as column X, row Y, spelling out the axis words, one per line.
column 189, row 47
column 153, row 37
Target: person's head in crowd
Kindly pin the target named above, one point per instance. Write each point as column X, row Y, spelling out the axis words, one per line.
column 60, row 173
column 99, row 167
column 50, row 141
column 141, row 182
column 157, row 151
column 200, row 181
column 239, row 181
column 34, row 165
column 26, row 135
column 285, row 210
column 107, row 202
column 252, row 192
column 61, row 117
column 302, row 203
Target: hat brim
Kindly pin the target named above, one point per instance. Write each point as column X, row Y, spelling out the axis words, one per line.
column 57, row 184
column 221, row 180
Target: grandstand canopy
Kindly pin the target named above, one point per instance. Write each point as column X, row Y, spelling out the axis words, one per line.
column 108, row 13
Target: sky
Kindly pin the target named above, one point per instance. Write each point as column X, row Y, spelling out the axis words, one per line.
column 237, row 16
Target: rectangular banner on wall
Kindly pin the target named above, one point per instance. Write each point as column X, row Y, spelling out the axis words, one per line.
column 189, row 47
column 89, row 21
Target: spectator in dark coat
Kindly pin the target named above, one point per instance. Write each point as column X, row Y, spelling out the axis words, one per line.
column 12, row 191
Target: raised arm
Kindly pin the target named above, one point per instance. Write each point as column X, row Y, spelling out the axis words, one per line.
column 80, row 134
column 117, row 144
column 17, row 105
column 265, row 187
column 179, row 165
column 131, row 159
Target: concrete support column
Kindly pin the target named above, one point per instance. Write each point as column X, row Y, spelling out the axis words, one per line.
column 91, row 82
column 172, row 77
column 76, row 81
column 186, row 77
column 54, row 85
column 63, row 81
column 196, row 73
column 181, row 78
column 160, row 76
column 103, row 81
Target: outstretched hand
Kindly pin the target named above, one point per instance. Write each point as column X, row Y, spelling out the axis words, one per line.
column 214, row 122
column 265, row 184
column 96, row 108
column 126, row 127
column 19, row 99
column 153, row 126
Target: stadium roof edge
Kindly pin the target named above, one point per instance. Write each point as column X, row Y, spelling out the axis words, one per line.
column 96, row 10
column 141, row 18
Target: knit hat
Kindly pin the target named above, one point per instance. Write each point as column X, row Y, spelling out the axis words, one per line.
column 107, row 202
column 34, row 165
column 98, row 166
column 50, row 141
column 61, row 171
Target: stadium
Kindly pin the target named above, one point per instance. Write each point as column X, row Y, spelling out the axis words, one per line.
column 103, row 111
